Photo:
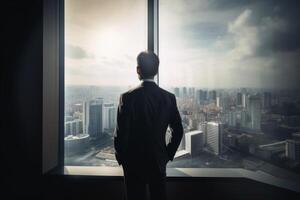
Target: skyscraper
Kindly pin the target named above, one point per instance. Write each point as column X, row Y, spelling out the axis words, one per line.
column 191, row 92
column 203, row 128
column 177, row 92
column 73, row 127
column 109, row 116
column 245, row 119
column 239, row 99
column 232, row 118
column 201, row 96
column 255, row 112
column 194, row 142
column 197, row 96
column 112, row 121
column 93, row 117
column 184, row 92
column 219, row 102
column 267, row 98
column 244, row 100
column 212, row 95
column 86, row 116
column 292, row 149
column 215, row 138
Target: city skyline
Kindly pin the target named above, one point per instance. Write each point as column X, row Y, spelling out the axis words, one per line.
column 227, row 129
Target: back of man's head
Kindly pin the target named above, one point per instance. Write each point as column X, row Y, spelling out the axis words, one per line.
column 148, row 63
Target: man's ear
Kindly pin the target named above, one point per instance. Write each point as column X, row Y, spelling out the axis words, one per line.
column 138, row 70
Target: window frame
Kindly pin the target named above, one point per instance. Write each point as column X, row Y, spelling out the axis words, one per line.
column 53, row 106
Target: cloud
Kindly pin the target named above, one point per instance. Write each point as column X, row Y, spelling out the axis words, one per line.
column 246, row 37
column 206, row 43
column 229, row 5
column 76, row 52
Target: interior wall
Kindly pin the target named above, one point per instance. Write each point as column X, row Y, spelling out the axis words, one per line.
column 21, row 95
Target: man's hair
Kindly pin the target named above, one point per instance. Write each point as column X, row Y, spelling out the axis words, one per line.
column 148, row 62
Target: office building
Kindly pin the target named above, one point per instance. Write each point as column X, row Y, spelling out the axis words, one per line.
column 219, row 102
column 177, row 92
column 109, row 117
column 93, row 117
column 212, row 95
column 191, row 92
column 267, row 98
column 292, row 150
column 74, row 127
column 203, row 128
column 184, row 92
column 86, row 116
column 254, row 110
column 239, row 99
column 215, row 134
column 232, row 118
column 194, row 141
column 245, row 100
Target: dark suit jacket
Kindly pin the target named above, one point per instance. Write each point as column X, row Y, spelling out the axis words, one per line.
column 144, row 115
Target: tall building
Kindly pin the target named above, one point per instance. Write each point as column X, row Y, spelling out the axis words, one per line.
column 177, row 92
column 296, row 136
column 226, row 102
column 86, row 116
column 194, row 142
column 215, row 134
column 232, row 118
column 74, row 127
column 212, row 95
column 218, row 102
column 182, row 143
column 184, row 92
column 112, row 121
column 198, row 96
column 239, row 99
column 245, row 119
column 201, row 96
column 109, row 117
column 292, row 150
column 191, row 92
column 245, row 99
column 93, row 117
column 203, row 128
column 267, row 99
column 254, row 110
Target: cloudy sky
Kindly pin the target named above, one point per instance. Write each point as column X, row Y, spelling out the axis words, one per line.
column 203, row 43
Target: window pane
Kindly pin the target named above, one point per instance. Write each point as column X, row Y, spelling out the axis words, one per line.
column 102, row 39
column 235, row 76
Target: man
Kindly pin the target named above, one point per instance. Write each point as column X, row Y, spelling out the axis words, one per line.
column 144, row 114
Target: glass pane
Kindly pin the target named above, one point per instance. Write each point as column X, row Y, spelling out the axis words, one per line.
column 234, row 70
column 102, row 40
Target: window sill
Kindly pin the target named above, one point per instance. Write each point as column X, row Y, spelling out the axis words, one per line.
column 258, row 176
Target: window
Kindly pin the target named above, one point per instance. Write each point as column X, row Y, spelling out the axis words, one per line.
column 234, row 73
column 228, row 67
column 102, row 39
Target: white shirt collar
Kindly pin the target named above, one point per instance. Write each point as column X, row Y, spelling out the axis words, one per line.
column 149, row 80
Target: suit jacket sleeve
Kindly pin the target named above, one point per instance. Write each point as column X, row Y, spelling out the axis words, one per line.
column 121, row 131
column 176, row 130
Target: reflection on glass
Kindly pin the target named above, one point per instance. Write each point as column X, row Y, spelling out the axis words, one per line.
column 102, row 39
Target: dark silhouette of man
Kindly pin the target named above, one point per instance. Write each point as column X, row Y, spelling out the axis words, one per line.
column 144, row 114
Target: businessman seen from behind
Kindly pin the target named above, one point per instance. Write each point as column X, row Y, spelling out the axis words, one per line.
column 144, row 114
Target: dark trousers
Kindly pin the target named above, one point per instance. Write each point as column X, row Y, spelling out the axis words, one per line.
column 136, row 182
